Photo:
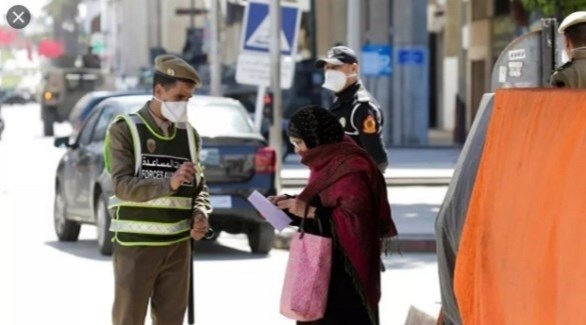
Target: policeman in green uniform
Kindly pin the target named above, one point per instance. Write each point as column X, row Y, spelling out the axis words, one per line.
column 356, row 109
column 161, row 200
column 573, row 73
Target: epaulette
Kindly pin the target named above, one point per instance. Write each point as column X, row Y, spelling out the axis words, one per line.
column 565, row 65
column 362, row 96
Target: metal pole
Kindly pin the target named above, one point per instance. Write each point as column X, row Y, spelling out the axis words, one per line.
column 353, row 31
column 258, row 109
column 191, row 303
column 275, row 53
column 214, row 54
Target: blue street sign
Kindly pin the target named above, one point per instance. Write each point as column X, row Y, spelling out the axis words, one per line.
column 412, row 56
column 257, row 28
column 376, row 60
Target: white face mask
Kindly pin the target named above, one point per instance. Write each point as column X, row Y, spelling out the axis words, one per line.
column 336, row 80
column 566, row 56
column 175, row 112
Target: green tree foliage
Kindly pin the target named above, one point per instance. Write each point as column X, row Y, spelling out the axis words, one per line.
column 555, row 8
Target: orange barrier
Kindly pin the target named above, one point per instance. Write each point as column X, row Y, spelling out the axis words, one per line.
column 522, row 255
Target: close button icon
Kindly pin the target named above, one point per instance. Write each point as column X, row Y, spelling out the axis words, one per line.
column 18, row 17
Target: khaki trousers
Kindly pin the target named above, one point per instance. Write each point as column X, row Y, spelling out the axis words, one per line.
column 160, row 274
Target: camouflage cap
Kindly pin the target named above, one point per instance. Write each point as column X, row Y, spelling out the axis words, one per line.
column 174, row 67
column 578, row 17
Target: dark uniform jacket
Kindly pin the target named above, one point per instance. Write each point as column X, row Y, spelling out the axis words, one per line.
column 572, row 74
column 362, row 119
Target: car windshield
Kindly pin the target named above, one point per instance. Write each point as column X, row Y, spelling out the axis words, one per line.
column 214, row 119
column 220, row 119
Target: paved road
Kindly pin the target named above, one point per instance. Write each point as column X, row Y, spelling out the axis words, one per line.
column 47, row 282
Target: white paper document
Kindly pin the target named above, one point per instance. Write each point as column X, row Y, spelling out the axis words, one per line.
column 269, row 211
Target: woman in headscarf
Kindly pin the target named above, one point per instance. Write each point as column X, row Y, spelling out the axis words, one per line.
column 347, row 199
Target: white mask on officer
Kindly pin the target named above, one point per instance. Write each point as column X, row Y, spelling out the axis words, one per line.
column 336, row 80
column 175, row 112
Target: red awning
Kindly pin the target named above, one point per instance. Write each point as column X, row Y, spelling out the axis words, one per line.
column 50, row 48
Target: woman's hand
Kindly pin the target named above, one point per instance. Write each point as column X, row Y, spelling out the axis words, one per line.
column 296, row 207
column 275, row 199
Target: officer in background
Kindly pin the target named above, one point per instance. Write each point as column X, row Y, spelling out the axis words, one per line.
column 161, row 200
column 573, row 73
column 356, row 109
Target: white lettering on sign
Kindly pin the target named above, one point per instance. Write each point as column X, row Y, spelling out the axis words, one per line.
column 502, row 74
column 517, row 54
column 515, row 69
column 516, row 65
column 255, row 69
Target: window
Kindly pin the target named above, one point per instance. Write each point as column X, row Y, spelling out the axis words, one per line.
column 86, row 133
column 103, row 123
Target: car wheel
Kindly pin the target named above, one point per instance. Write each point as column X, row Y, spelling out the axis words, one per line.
column 66, row 230
column 261, row 238
column 103, row 225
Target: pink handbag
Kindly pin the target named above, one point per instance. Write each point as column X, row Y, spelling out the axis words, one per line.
column 307, row 279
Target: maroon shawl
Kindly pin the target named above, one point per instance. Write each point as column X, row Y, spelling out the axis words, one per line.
column 346, row 179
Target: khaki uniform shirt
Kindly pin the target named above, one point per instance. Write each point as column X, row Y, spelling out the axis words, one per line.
column 572, row 74
column 126, row 185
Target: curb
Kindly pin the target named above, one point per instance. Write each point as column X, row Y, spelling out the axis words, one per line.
column 409, row 243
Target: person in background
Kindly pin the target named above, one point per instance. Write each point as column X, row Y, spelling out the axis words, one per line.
column 355, row 108
column 572, row 74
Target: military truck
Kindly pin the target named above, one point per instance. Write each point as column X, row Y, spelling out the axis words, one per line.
column 63, row 87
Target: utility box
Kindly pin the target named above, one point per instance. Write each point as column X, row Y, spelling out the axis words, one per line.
column 529, row 60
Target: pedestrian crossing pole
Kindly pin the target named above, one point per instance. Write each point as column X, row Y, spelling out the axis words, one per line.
column 275, row 54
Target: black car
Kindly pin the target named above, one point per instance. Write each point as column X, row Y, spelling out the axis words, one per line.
column 236, row 160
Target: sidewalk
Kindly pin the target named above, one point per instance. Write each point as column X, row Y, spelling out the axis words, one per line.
column 431, row 167
column 408, row 166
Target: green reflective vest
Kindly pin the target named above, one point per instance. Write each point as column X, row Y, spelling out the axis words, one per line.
column 165, row 220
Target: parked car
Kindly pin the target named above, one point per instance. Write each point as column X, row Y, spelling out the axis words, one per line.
column 236, row 159
column 84, row 106
column 15, row 96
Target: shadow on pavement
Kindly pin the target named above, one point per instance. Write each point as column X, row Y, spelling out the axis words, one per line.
column 204, row 251
column 85, row 248
column 215, row 251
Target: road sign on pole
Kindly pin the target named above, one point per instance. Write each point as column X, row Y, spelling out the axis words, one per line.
column 276, row 49
column 253, row 67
